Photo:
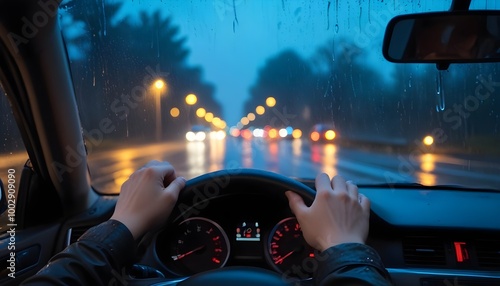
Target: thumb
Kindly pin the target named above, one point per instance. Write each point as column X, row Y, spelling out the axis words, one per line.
column 296, row 203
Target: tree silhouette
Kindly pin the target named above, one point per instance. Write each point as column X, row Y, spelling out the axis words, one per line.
column 287, row 78
column 124, row 59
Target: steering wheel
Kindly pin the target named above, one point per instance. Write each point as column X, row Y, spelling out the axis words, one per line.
column 224, row 182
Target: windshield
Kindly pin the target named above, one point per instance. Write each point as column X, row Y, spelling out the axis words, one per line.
column 293, row 87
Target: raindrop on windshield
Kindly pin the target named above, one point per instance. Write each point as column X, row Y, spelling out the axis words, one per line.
column 328, row 15
column 440, row 104
column 103, row 18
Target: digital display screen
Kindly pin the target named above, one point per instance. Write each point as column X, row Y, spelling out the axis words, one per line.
column 248, row 231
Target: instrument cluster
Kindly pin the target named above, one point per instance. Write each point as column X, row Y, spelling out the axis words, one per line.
column 236, row 230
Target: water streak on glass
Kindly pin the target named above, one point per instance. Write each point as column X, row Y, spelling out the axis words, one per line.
column 440, row 103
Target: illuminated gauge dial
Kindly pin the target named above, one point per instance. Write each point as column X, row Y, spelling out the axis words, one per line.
column 199, row 245
column 288, row 251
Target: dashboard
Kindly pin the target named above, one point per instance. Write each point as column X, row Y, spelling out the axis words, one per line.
column 424, row 236
column 259, row 230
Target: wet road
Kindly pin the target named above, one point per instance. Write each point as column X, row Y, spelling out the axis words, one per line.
column 296, row 158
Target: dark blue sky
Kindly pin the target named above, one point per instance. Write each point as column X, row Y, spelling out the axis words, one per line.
column 231, row 53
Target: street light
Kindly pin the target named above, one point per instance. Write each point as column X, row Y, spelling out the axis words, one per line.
column 209, row 116
column 251, row 116
column 260, row 110
column 428, row 140
column 159, row 85
column 191, row 99
column 216, row 122
column 244, row 121
column 175, row 112
column 200, row 112
column 270, row 101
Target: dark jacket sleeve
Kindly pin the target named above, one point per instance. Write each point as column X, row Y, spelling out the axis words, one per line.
column 97, row 258
column 351, row 264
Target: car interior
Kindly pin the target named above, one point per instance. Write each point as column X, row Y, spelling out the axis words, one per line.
column 224, row 226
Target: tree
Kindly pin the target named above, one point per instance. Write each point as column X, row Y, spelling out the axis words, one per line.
column 115, row 79
column 287, row 78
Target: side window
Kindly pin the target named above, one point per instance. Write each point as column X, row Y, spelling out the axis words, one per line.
column 12, row 158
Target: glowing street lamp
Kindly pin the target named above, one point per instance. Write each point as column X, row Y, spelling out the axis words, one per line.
column 200, row 112
column 251, row 116
column 260, row 110
column 159, row 85
column 216, row 121
column 175, row 112
column 209, row 117
column 270, row 101
column 428, row 140
column 191, row 99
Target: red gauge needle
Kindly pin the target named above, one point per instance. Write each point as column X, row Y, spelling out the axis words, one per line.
column 278, row 261
column 180, row 256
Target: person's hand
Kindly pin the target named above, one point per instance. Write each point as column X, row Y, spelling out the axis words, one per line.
column 338, row 214
column 147, row 197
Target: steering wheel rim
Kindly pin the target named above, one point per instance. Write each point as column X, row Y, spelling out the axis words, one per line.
column 211, row 184
column 218, row 183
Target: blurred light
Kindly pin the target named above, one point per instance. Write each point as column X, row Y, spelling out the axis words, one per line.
column 222, row 124
column 257, row 132
column 239, row 125
column 270, row 101
column 200, row 112
column 297, row 148
column 220, row 135
column 217, row 135
column 315, row 136
column 244, row 121
column 209, row 117
column 273, row 133
column 427, row 163
column 159, row 84
column 297, row 133
column 216, row 121
column 251, row 116
column 121, row 176
column 175, row 112
column 283, row 133
column 289, row 130
column 190, row 136
column 200, row 136
column 428, row 140
column 260, row 110
column 191, row 99
column 247, row 134
column 235, row 132
column 330, row 135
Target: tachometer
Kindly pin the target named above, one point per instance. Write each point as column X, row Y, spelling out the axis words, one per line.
column 199, row 245
column 288, row 252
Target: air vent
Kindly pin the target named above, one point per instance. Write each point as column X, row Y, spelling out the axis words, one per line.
column 75, row 233
column 488, row 253
column 424, row 251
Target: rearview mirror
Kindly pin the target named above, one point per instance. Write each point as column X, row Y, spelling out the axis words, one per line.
column 444, row 37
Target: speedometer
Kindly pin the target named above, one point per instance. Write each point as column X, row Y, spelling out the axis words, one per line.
column 288, row 251
column 199, row 244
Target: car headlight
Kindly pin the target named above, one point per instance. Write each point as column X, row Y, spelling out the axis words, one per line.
column 190, row 136
column 200, row 136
